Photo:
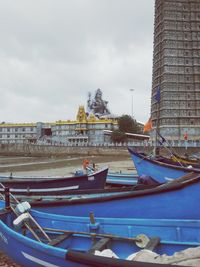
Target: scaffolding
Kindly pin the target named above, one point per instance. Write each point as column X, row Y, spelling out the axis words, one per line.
column 176, row 69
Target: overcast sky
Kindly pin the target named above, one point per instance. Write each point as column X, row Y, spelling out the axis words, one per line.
column 53, row 52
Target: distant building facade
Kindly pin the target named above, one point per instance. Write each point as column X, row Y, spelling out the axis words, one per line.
column 175, row 103
column 90, row 127
column 17, row 132
column 23, row 132
column 85, row 130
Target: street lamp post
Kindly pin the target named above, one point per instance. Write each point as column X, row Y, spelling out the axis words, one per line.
column 132, row 101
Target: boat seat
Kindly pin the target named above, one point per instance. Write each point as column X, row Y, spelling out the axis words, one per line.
column 59, row 239
column 153, row 243
column 99, row 245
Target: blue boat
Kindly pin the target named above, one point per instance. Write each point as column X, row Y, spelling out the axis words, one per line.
column 58, row 185
column 120, row 178
column 34, row 239
column 115, row 178
column 178, row 161
column 159, row 171
column 177, row 199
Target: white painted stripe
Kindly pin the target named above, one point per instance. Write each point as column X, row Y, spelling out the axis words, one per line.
column 38, row 261
column 169, row 179
column 45, row 190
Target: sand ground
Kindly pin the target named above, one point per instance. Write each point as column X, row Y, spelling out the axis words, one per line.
column 62, row 166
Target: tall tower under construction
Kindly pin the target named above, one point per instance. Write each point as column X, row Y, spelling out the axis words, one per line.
column 175, row 102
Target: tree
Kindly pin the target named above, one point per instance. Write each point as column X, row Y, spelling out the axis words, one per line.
column 128, row 125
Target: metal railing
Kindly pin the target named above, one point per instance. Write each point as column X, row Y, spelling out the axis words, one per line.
column 178, row 143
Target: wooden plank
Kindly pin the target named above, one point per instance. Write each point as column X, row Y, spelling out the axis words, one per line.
column 152, row 244
column 99, row 245
column 59, row 239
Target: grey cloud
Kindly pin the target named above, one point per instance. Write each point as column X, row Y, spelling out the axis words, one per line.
column 52, row 52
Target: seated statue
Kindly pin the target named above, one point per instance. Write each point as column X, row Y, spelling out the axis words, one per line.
column 98, row 105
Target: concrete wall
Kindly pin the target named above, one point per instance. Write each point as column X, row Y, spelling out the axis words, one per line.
column 30, row 150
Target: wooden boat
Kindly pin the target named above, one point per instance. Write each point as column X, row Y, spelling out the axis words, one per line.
column 113, row 178
column 176, row 162
column 155, row 202
column 95, row 180
column 120, row 178
column 62, row 192
column 160, row 171
column 189, row 161
column 34, row 239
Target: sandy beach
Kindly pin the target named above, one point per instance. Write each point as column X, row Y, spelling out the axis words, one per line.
column 62, row 166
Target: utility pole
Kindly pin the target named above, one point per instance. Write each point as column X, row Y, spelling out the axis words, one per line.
column 132, row 102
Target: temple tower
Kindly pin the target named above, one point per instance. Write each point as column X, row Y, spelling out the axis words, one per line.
column 175, row 102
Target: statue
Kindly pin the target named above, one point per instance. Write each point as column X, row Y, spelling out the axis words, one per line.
column 97, row 106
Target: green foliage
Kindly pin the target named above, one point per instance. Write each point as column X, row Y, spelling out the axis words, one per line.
column 128, row 125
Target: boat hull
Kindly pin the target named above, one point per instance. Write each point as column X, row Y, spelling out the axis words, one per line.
column 97, row 180
column 175, row 235
column 159, row 171
column 178, row 199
